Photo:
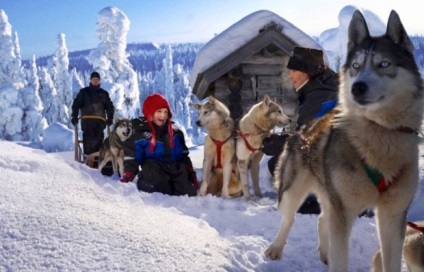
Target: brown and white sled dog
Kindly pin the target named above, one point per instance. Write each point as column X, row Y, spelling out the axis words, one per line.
column 112, row 148
column 255, row 125
column 371, row 138
column 413, row 249
column 220, row 176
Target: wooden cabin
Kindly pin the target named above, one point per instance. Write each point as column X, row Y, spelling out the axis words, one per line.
column 252, row 68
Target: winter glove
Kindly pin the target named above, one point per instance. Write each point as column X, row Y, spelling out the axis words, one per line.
column 74, row 121
column 127, row 177
column 192, row 177
column 273, row 144
column 109, row 122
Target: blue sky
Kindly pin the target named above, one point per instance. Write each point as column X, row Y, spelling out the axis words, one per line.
column 38, row 22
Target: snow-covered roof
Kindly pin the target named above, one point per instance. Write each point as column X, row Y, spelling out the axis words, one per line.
column 242, row 32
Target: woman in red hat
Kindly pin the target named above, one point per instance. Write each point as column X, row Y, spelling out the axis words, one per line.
column 157, row 154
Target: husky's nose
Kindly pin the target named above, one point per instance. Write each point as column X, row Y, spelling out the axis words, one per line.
column 359, row 89
column 198, row 123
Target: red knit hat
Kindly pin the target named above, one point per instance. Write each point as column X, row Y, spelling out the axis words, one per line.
column 150, row 106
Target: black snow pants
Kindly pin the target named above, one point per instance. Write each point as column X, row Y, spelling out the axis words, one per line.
column 171, row 178
column 92, row 134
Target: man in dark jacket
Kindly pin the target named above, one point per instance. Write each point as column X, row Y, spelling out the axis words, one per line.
column 96, row 112
column 316, row 86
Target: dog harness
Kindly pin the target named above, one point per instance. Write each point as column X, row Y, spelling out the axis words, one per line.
column 377, row 178
column 219, row 145
column 243, row 135
column 415, row 226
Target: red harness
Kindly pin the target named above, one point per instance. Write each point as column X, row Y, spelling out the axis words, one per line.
column 415, row 226
column 243, row 136
column 219, row 145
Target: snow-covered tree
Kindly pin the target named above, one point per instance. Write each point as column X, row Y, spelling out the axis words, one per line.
column 168, row 73
column 182, row 91
column 33, row 122
column 10, row 114
column 17, row 50
column 10, row 82
column 10, row 65
column 58, row 68
column 48, row 95
column 146, row 84
column 110, row 60
column 77, row 83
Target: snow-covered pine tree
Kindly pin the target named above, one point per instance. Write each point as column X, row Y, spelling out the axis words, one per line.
column 77, row 83
column 59, row 71
column 10, row 82
column 48, row 96
column 168, row 73
column 146, row 84
column 182, row 91
column 110, row 60
column 33, row 122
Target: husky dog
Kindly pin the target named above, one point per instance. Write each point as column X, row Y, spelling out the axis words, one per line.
column 413, row 249
column 255, row 125
column 220, row 176
column 364, row 153
column 112, row 148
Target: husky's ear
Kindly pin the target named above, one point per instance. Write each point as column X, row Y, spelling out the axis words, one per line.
column 396, row 32
column 229, row 123
column 266, row 101
column 115, row 120
column 211, row 100
column 358, row 30
column 196, row 106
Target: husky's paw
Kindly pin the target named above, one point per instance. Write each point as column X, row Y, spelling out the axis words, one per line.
column 201, row 193
column 246, row 194
column 274, row 252
column 225, row 195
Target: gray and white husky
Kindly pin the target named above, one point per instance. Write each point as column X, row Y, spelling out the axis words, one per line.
column 112, row 148
column 361, row 155
column 255, row 125
column 220, row 176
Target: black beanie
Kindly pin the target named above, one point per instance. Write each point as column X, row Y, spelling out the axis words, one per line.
column 95, row 74
column 307, row 60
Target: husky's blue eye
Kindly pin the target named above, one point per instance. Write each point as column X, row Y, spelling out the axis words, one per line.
column 355, row 65
column 384, row 64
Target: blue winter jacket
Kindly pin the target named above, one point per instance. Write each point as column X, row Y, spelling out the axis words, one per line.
column 136, row 148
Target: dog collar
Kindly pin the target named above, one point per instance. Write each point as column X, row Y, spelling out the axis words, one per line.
column 377, row 178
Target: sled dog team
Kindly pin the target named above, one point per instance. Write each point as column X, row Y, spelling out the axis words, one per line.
column 362, row 154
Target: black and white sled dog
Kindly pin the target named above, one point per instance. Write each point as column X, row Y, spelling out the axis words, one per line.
column 361, row 155
column 112, row 148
